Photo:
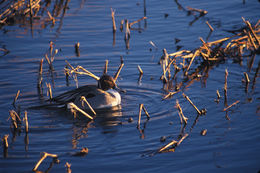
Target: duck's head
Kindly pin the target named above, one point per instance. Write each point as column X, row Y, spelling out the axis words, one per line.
column 106, row 82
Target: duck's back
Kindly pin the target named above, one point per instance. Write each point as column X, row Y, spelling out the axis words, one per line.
column 96, row 97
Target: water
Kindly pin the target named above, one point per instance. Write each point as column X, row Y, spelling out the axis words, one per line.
column 116, row 145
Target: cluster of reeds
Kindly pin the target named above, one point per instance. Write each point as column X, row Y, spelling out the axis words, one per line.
column 210, row 54
column 128, row 26
column 242, row 44
column 18, row 124
column 32, row 12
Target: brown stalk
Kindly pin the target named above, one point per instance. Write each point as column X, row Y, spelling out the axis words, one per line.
column 49, row 62
column 179, row 53
column 225, row 85
column 118, row 70
column 121, row 25
column 210, row 27
column 187, row 98
column 75, row 107
column 146, row 112
column 236, row 102
column 152, row 43
column 183, row 137
column 44, row 156
column 15, row 118
column 218, row 41
column 31, row 11
column 83, row 99
column 113, row 19
column 51, row 17
column 202, row 12
column 16, row 97
column 170, row 94
column 251, row 39
column 105, row 68
column 40, row 73
column 127, row 30
column 68, row 169
column 49, row 92
column 139, row 115
column 173, row 142
column 193, row 57
column 137, row 21
column 180, row 111
column 5, row 141
column 218, row 95
column 26, row 122
column 140, row 70
column 77, row 49
column 246, row 77
column 252, row 31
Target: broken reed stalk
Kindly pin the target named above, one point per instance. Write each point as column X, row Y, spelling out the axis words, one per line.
column 17, row 8
column 49, row 62
column 51, row 17
column 202, row 12
column 44, row 156
column 252, row 31
column 105, row 68
column 40, row 73
column 49, row 91
column 127, row 30
column 251, row 39
column 77, row 49
column 166, row 58
column 139, row 115
column 113, row 19
column 118, row 70
column 83, row 99
column 152, row 43
column 15, row 118
column 180, row 112
column 68, row 169
column 31, row 11
column 75, row 107
column 236, row 102
column 193, row 57
column 170, row 94
column 210, row 27
column 134, row 22
column 183, row 137
column 218, row 95
column 121, row 25
column 168, row 68
column 246, row 77
column 146, row 112
column 173, row 142
column 16, row 97
column 85, row 72
column 187, row 98
column 26, row 122
column 140, row 70
column 225, row 85
column 5, row 141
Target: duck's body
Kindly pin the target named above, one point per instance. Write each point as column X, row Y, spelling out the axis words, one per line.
column 102, row 96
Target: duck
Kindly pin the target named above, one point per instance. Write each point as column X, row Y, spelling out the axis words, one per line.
column 101, row 96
